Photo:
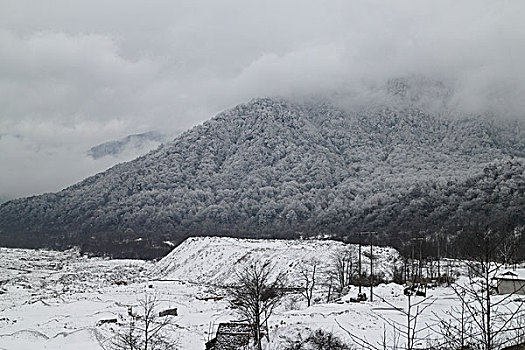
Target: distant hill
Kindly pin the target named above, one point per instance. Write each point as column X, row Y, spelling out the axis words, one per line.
column 137, row 142
column 275, row 168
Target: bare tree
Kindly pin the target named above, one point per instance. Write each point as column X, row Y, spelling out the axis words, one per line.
column 329, row 283
column 457, row 328
column 145, row 330
column 308, row 279
column 255, row 294
column 414, row 310
column 390, row 341
column 342, row 262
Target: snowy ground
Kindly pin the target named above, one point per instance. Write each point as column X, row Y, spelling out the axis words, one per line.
column 214, row 260
column 53, row 300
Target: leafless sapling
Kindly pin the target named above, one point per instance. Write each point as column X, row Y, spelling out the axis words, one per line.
column 145, row 330
column 308, row 277
column 255, row 293
column 342, row 262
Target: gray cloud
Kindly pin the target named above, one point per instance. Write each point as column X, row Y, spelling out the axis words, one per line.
column 77, row 73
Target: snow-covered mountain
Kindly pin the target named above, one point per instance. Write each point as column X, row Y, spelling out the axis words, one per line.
column 276, row 168
column 131, row 143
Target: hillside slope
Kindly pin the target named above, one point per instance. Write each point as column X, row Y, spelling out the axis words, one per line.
column 274, row 168
column 215, row 260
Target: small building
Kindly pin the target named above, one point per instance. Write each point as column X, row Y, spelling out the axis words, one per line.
column 231, row 336
column 515, row 347
column 511, row 282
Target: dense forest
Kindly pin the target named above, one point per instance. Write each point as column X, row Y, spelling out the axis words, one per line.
column 275, row 168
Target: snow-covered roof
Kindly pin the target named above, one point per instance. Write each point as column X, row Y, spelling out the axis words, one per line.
column 518, row 274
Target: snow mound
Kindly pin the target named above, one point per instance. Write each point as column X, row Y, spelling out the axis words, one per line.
column 26, row 335
column 87, row 336
column 214, row 260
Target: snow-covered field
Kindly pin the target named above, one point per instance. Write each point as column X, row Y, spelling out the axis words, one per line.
column 55, row 300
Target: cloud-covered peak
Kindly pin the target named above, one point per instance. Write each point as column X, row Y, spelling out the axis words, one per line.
column 78, row 73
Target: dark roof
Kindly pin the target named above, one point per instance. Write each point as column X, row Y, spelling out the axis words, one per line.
column 231, row 336
column 234, row 327
column 518, row 274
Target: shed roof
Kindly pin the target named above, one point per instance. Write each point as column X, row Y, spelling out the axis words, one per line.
column 518, row 274
column 231, row 336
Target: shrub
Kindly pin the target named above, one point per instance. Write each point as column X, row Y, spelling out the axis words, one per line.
column 318, row 340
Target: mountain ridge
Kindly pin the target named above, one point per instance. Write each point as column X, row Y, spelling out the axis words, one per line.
column 276, row 168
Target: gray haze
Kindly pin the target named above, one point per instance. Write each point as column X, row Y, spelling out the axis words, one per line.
column 74, row 74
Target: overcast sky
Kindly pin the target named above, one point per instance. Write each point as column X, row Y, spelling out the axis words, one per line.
column 77, row 73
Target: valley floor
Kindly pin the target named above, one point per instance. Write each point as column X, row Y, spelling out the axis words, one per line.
column 55, row 300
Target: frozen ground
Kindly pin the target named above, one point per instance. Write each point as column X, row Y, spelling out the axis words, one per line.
column 54, row 300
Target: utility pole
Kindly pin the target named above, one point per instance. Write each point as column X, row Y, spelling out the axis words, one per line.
column 371, row 263
column 359, row 272
column 412, row 263
column 439, row 255
column 420, row 239
column 371, row 267
column 420, row 260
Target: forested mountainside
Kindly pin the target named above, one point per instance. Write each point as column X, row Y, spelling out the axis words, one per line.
column 274, row 168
